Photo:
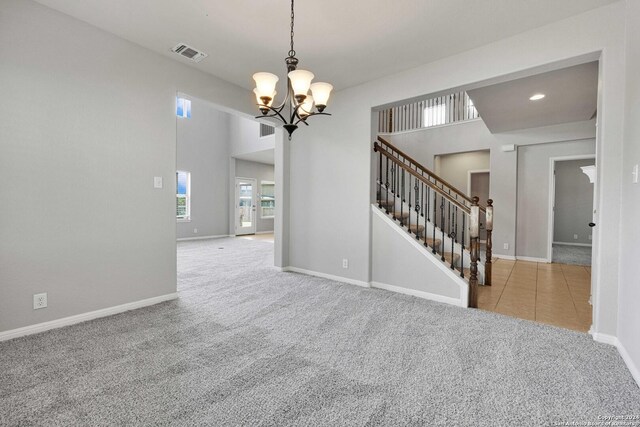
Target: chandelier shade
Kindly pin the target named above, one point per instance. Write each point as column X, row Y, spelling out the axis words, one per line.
column 298, row 104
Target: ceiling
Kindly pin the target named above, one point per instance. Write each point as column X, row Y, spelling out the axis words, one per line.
column 570, row 96
column 264, row 156
column 342, row 42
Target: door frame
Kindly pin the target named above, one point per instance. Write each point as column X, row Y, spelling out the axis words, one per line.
column 552, row 197
column 236, row 207
column 472, row 171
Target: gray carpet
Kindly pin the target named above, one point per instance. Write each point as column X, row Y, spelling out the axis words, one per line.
column 248, row 345
column 568, row 254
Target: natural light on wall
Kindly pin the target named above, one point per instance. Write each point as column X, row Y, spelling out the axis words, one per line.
column 183, row 108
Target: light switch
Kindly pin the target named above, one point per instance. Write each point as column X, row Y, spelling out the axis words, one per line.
column 634, row 174
column 157, row 182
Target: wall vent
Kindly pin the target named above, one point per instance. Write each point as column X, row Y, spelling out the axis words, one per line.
column 189, row 52
column 266, row 130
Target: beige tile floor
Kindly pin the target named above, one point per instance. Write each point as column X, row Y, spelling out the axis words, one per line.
column 265, row 237
column 556, row 294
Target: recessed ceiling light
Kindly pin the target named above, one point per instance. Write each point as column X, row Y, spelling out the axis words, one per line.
column 537, row 96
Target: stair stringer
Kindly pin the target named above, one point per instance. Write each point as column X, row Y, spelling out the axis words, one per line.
column 403, row 264
column 466, row 259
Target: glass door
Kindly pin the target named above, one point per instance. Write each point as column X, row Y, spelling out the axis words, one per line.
column 245, row 206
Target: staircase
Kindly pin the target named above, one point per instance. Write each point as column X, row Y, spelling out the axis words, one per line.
column 438, row 215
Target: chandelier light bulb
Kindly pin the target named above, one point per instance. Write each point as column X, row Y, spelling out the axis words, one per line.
column 321, row 92
column 307, row 107
column 265, row 83
column 300, row 82
column 261, row 101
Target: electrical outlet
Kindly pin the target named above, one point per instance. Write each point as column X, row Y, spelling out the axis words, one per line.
column 575, row 237
column 506, row 246
column 345, row 263
column 195, row 231
column 39, row 301
column 157, row 182
column 589, row 236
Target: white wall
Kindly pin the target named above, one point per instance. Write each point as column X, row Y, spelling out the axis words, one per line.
column 331, row 187
column 203, row 150
column 82, row 137
column 260, row 172
column 532, row 221
column 629, row 317
column 245, row 137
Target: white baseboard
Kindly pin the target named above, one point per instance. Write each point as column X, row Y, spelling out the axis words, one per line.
column 573, row 244
column 264, row 232
column 507, row 257
column 327, row 276
column 611, row 340
column 635, row 371
column 419, row 294
column 186, row 239
column 532, row 259
column 605, row 338
column 79, row 318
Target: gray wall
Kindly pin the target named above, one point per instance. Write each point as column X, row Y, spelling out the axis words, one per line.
column 455, row 168
column 260, row 172
column 397, row 262
column 573, row 209
column 532, row 237
column 80, row 142
column 245, row 137
column 510, row 224
column 629, row 317
column 203, row 150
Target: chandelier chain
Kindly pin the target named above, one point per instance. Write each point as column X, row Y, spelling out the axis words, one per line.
column 292, row 52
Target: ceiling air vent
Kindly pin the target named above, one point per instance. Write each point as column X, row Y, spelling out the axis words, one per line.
column 189, row 52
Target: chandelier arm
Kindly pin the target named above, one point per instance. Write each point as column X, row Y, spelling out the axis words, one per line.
column 276, row 114
column 304, row 120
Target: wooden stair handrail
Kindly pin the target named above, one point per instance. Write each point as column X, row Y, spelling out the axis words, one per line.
column 392, row 158
column 429, row 173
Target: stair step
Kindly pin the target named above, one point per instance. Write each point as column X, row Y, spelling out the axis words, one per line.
column 403, row 215
column 437, row 243
column 447, row 257
column 386, row 203
column 416, row 229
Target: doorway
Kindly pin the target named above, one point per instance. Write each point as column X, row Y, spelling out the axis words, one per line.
column 571, row 211
column 478, row 185
column 245, row 211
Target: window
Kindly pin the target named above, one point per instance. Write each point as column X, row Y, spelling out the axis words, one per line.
column 267, row 199
column 266, row 130
column 435, row 115
column 183, row 196
column 183, row 108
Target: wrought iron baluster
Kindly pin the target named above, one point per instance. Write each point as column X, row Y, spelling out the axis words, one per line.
column 435, row 219
column 417, row 209
column 402, row 199
column 442, row 229
column 409, row 206
column 386, row 186
column 452, row 234
column 462, row 246
column 379, row 198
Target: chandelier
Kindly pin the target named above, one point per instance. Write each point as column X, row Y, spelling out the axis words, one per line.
column 298, row 104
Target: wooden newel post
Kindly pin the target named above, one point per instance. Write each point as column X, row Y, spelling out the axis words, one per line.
column 488, row 254
column 474, row 233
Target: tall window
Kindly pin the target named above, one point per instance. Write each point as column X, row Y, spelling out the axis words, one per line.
column 267, row 199
column 183, row 108
column 183, row 196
